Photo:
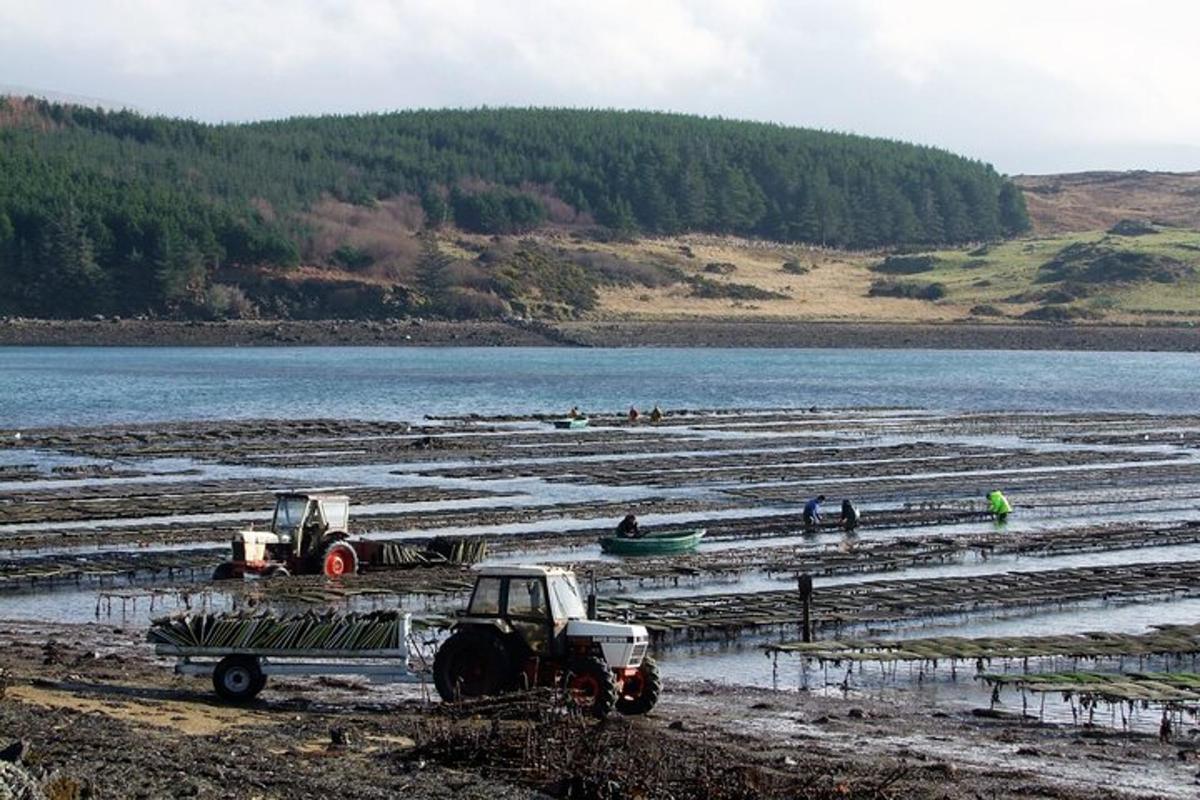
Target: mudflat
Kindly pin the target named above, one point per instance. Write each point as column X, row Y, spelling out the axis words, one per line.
column 1105, row 537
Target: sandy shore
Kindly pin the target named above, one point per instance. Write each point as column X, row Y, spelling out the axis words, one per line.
column 680, row 333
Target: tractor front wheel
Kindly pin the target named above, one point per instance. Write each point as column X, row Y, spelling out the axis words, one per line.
column 590, row 687
column 641, row 690
column 339, row 559
column 238, row 679
column 471, row 663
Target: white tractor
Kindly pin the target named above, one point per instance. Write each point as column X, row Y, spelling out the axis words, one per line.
column 308, row 536
column 528, row 626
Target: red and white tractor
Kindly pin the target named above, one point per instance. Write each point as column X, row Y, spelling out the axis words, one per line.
column 528, row 626
column 308, row 536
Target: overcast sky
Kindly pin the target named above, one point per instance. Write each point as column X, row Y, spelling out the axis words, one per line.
column 1045, row 86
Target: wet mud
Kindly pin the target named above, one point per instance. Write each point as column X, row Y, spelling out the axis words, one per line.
column 101, row 528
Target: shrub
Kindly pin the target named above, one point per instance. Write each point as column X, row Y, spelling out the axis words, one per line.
column 905, row 265
column 710, row 290
column 1131, row 227
column 720, row 268
column 461, row 302
column 610, row 268
column 1059, row 313
column 352, row 258
column 985, row 310
column 914, row 291
column 222, row 301
column 794, row 268
column 1097, row 263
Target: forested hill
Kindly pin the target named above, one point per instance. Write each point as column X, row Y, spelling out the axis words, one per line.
column 127, row 213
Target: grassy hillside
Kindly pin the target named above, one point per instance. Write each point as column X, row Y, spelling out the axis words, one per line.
column 112, row 212
column 1151, row 278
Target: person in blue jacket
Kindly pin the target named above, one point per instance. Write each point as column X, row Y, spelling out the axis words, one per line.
column 812, row 513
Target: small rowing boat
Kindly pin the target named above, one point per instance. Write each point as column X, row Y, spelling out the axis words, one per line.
column 653, row 544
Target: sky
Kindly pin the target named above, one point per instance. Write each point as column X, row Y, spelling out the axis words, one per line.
column 1031, row 87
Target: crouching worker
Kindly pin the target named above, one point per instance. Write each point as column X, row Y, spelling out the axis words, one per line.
column 628, row 528
column 850, row 516
column 812, row 513
column 999, row 505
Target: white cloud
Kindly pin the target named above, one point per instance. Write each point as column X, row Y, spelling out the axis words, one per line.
column 1031, row 85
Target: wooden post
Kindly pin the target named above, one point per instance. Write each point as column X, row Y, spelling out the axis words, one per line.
column 804, row 581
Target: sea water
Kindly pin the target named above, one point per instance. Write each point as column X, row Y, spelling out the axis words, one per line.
column 47, row 386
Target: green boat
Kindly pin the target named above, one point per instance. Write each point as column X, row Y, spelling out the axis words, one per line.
column 571, row 422
column 653, row 544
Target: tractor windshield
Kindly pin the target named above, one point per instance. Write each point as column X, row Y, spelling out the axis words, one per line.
column 565, row 600
column 289, row 513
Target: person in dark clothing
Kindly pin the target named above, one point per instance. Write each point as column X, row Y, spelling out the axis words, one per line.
column 812, row 513
column 628, row 528
column 850, row 516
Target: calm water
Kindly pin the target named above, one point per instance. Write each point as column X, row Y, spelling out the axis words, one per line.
column 53, row 386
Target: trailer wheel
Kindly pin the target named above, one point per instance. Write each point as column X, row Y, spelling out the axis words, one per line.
column 590, row 687
column 471, row 663
column 339, row 559
column 238, row 679
column 223, row 572
column 641, row 691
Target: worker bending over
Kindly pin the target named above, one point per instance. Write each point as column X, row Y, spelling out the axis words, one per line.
column 999, row 505
column 850, row 516
column 812, row 513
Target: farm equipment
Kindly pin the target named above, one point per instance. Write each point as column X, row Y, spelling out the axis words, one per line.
column 528, row 626
column 309, row 536
column 239, row 652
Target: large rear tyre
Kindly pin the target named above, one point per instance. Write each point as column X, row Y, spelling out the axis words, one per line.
column 472, row 663
column 277, row 571
column 223, row 572
column 590, row 687
column 338, row 559
column 238, row 679
column 640, row 692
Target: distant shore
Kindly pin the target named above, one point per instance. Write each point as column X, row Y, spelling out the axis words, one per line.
column 675, row 333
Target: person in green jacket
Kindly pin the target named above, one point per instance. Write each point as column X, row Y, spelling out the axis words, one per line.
column 999, row 505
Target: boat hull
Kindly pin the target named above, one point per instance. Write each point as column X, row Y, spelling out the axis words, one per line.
column 652, row 545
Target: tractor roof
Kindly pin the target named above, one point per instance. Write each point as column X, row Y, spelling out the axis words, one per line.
column 523, row 570
column 314, row 495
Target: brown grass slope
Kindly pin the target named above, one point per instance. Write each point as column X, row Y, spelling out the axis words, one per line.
column 1088, row 201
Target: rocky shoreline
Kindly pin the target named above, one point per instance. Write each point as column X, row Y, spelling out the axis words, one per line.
column 672, row 333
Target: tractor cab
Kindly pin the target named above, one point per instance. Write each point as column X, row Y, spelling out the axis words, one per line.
column 307, row 536
column 535, row 602
column 303, row 520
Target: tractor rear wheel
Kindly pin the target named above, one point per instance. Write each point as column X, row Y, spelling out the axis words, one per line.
column 590, row 687
column 223, row 572
column 641, row 691
column 238, row 678
column 277, row 571
column 472, row 663
column 338, row 559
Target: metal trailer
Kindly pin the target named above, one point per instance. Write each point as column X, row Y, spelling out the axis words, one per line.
column 240, row 673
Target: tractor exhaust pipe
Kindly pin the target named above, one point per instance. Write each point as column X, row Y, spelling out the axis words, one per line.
column 591, row 599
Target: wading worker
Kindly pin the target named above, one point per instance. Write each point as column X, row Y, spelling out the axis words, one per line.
column 812, row 513
column 850, row 516
column 999, row 505
column 628, row 528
